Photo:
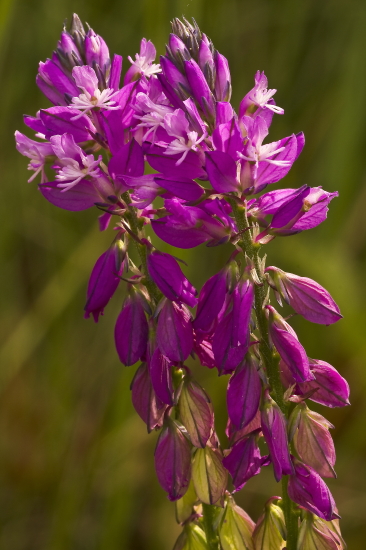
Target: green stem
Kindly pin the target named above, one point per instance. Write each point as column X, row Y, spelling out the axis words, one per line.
column 270, row 357
column 213, row 542
column 131, row 216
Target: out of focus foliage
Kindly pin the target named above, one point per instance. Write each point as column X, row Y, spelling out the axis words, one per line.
column 76, row 466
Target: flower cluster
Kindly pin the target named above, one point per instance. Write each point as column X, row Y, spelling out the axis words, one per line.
column 209, row 164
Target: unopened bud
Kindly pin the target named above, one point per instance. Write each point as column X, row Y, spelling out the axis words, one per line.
column 270, row 530
column 196, row 413
column 192, row 538
column 209, row 475
column 184, row 506
column 236, row 528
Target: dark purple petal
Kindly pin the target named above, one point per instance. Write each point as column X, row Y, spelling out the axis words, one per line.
column 173, row 461
column 145, row 401
column 190, row 168
column 228, row 353
column 221, row 170
column 244, row 461
column 183, row 188
column 104, row 280
column 176, row 235
column 115, row 74
column 307, row 489
column 131, row 331
column 243, row 297
column 174, row 333
column 58, row 120
column 203, row 350
column 115, row 122
column 161, row 377
column 84, row 195
column 332, row 390
column 129, row 161
column 292, row 353
column 274, row 430
column 243, row 394
column 210, row 302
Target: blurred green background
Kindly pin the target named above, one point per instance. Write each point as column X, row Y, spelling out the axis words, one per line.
column 76, row 464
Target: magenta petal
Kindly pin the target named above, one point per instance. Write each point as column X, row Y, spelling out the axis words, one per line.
column 292, row 353
column 210, row 302
column 58, row 120
column 174, row 333
column 173, row 461
column 228, row 139
column 191, row 168
column 131, row 331
column 274, row 429
column 243, row 394
column 228, row 353
column 332, row 390
column 82, row 196
column 115, row 74
column 129, row 161
column 145, row 401
column 161, row 377
column 224, row 112
column 244, row 461
column 270, row 173
column 221, row 170
column 177, row 235
column 103, row 282
column 168, row 276
column 307, row 489
column 186, row 189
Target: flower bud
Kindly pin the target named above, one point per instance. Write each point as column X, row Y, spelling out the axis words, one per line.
column 209, row 476
column 174, row 333
column 313, row 442
column 307, row 489
column 200, row 88
column 192, row 538
column 147, row 405
column 195, row 412
column 332, row 390
column 173, row 460
column 184, row 506
column 305, row 296
column 312, row 538
column 244, row 392
column 161, row 377
column 244, row 460
column 288, row 346
column 169, row 278
column 104, row 279
column 131, row 330
column 223, row 78
column 270, row 530
column 210, row 301
column 275, row 433
column 236, row 528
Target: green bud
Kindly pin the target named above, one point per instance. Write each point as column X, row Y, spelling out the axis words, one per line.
column 209, row 476
column 236, row 528
column 315, row 535
column 192, row 538
column 195, row 411
column 270, row 531
column 184, row 506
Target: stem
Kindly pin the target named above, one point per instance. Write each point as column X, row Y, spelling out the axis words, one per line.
column 270, row 357
column 208, row 523
column 141, row 249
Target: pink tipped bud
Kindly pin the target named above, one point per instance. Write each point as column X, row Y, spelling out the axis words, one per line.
column 173, row 460
column 147, row 405
column 305, row 296
column 313, row 442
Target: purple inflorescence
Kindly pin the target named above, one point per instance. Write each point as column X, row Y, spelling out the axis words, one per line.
column 206, row 163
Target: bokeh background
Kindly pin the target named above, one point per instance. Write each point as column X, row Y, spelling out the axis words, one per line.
column 76, row 464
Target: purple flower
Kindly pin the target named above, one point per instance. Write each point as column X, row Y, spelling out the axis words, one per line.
column 169, row 278
column 305, row 296
column 244, row 460
column 174, row 333
column 244, row 393
column 231, row 338
column 37, row 152
column 104, row 279
column 275, row 433
column 131, row 331
column 161, row 377
column 59, row 120
column 200, row 88
column 223, row 78
column 210, row 301
column 288, row 346
column 143, row 64
column 307, row 489
column 173, row 461
column 147, row 405
column 259, row 97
